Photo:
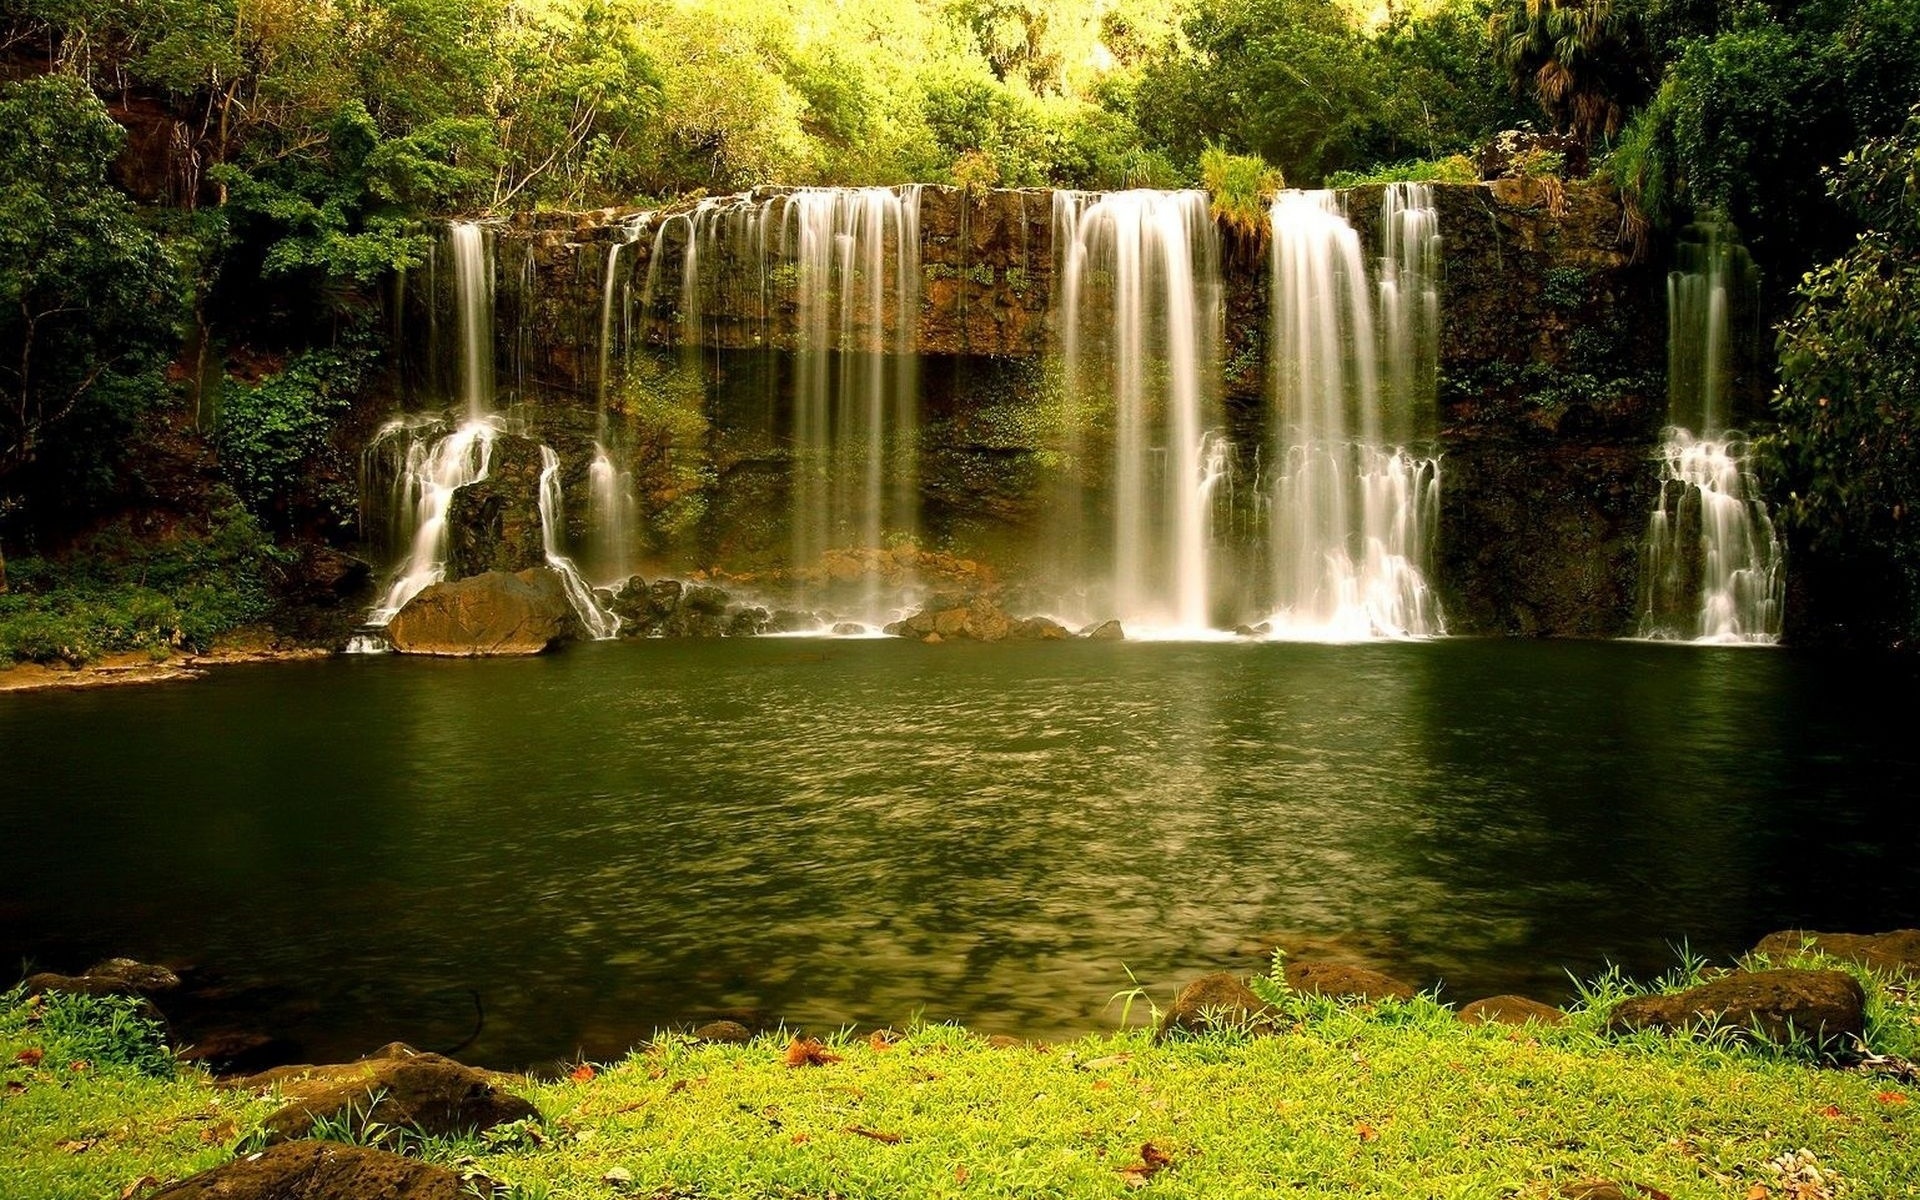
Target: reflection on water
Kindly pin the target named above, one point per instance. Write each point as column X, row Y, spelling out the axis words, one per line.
column 632, row 835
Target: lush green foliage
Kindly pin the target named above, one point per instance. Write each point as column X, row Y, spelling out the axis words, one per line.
column 87, row 294
column 1848, row 445
column 1240, row 187
column 1585, row 61
column 117, row 592
column 1305, row 86
column 271, row 433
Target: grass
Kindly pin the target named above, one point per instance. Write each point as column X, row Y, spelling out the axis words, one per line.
column 1239, row 187
column 1387, row 1100
column 1455, row 168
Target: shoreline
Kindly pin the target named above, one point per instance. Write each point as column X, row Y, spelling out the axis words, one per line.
column 118, row 670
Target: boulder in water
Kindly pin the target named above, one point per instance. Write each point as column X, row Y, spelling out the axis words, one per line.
column 112, row 977
column 1896, row 952
column 322, row 1171
column 973, row 618
column 1827, row 1006
column 495, row 614
column 1105, row 631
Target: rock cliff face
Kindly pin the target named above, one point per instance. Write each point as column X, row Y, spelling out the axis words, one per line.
column 1551, row 362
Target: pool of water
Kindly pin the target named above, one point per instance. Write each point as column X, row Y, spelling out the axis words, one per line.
column 628, row 836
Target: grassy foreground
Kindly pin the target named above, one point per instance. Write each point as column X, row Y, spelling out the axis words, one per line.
column 1388, row 1100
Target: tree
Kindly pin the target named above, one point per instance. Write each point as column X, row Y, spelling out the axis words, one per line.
column 1848, row 448
column 1585, row 61
column 88, row 296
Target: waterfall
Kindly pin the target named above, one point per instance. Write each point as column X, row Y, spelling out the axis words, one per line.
column 1140, row 312
column 430, row 458
column 856, row 405
column 433, row 463
column 473, row 285
column 1712, row 567
column 1354, row 511
column 611, row 516
column 594, row 617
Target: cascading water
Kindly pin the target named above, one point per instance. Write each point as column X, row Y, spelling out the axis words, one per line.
column 1712, row 567
column 430, row 463
column 1354, row 511
column 612, row 511
column 856, row 397
column 432, row 468
column 849, row 260
column 594, row 617
column 1140, row 314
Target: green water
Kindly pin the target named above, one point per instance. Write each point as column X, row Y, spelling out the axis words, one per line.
column 625, row 836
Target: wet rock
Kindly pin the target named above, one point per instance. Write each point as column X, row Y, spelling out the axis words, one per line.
column 850, row 629
column 705, row 599
column 323, row 1171
column 949, row 617
column 664, row 597
column 932, row 639
column 488, row 615
column 1827, row 1006
column 398, row 1087
column 110, row 977
column 1345, row 982
column 786, row 620
column 725, row 1033
column 1215, row 1001
column 747, row 622
column 494, row 524
column 326, row 576
column 1510, row 1010
column 1896, row 952
column 1038, row 629
column 1105, row 631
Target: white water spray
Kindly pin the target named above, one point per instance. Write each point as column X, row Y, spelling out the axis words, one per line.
column 594, row 617
column 1354, row 511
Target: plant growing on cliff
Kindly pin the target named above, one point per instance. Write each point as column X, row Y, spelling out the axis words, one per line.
column 1847, row 451
column 1239, row 189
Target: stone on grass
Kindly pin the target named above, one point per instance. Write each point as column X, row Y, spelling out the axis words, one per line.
column 725, row 1033
column 111, row 977
column 1510, row 1010
column 1826, row 1006
column 1896, row 952
column 323, row 1171
column 1344, row 982
column 1216, row 1001
column 398, row 1087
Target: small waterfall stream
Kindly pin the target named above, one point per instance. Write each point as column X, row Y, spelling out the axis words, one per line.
column 1354, row 511
column 1712, row 566
column 1141, row 306
column 431, row 462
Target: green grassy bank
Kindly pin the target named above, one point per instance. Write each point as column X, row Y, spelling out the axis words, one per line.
column 1390, row 1099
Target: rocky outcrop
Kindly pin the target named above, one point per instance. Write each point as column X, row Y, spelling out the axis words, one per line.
column 1510, row 1010
column 1216, row 1001
column 1896, row 952
column 1827, row 1006
column 670, row 608
column 495, row 614
column 494, row 524
column 397, row 1087
column 324, row 1171
column 976, row 619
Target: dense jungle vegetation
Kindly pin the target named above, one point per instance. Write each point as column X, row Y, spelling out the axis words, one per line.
column 199, row 200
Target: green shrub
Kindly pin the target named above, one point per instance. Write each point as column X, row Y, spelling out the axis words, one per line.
column 1454, row 168
column 1241, row 187
column 106, row 1032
